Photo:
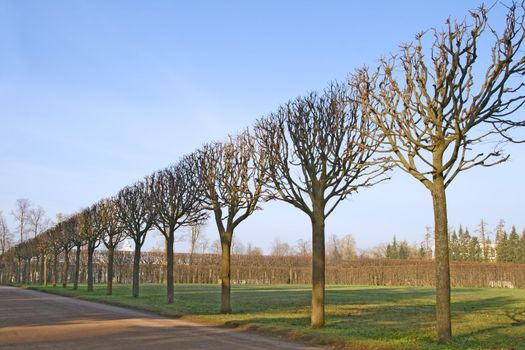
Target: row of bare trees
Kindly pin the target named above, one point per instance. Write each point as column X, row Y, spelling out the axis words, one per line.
column 269, row 269
column 423, row 110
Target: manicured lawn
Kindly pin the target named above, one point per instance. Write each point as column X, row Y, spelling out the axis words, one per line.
column 359, row 317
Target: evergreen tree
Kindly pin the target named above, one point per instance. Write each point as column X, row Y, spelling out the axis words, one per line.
column 392, row 250
column 475, row 250
column 484, row 240
column 463, row 244
column 454, row 246
column 502, row 250
column 403, row 251
column 522, row 248
column 513, row 246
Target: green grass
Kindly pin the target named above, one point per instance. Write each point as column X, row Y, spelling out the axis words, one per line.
column 357, row 317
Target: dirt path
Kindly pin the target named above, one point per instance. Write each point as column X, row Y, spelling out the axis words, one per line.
column 35, row 320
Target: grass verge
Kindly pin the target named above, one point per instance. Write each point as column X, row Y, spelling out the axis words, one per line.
column 358, row 317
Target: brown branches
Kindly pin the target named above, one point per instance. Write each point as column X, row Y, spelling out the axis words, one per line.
column 135, row 211
column 231, row 176
column 320, row 149
column 432, row 107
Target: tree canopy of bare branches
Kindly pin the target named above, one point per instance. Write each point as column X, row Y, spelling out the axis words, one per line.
column 428, row 106
column 320, row 150
column 21, row 215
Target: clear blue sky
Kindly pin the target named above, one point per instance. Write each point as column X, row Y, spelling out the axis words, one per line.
column 96, row 94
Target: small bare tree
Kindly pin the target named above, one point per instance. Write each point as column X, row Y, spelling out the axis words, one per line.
column 107, row 222
column 6, row 238
column 78, row 240
column 91, row 234
column 231, row 177
column 428, row 106
column 67, row 231
column 176, row 202
column 194, row 237
column 21, row 215
column 37, row 221
column 320, row 150
column 136, row 213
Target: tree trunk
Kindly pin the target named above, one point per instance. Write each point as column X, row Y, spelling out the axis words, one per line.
column 36, row 274
column 169, row 266
column 136, row 270
column 42, row 272
column 19, row 271
column 24, row 271
column 77, row 268
column 55, row 270
column 318, row 268
column 111, row 256
column 443, row 322
column 65, row 269
column 45, row 271
column 226, row 240
column 90, row 268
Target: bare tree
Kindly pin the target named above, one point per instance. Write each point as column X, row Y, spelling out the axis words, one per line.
column 428, row 106
column 340, row 249
column 231, row 175
column 68, row 231
column 21, row 215
column 6, row 238
column 90, row 233
column 303, row 248
column 375, row 252
column 194, row 238
column 216, row 246
column 280, row 248
column 112, row 234
column 136, row 213
column 37, row 221
column 43, row 248
column 176, row 202
column 320, row 150
column 78, row 240
column 54, row 238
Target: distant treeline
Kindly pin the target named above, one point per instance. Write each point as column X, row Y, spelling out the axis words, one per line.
column 505, row 247
column 260, row 269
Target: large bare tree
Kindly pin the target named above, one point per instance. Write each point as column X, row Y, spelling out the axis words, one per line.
column 429, row 101
column 320, row 150
column 136, row 214
column 107, row 222
column 176, row 202
column 231, row 177
column 21, row 215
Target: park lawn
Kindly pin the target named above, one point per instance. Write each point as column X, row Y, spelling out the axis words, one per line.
column 358, row 317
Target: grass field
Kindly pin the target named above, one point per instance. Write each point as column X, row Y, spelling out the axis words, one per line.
column 357, row 317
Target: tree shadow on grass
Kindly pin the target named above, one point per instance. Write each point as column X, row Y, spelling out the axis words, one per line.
column 408, row 325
